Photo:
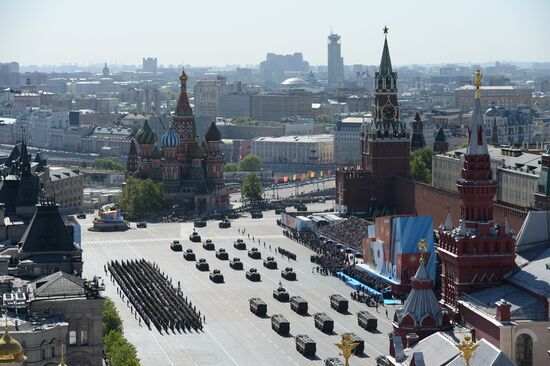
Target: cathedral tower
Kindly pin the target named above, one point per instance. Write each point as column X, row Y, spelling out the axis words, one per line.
column 184, row 126
column 214, row 157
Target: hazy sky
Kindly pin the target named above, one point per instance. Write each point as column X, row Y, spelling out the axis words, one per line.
column 224, row 32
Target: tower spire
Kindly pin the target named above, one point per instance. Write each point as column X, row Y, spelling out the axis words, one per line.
column 385, row 62
column 183, row 107
column 477, row 144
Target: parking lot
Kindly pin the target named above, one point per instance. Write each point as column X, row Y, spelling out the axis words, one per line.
column 233, row 335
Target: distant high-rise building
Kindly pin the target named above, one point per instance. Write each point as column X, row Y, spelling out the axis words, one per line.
column 207, row 96
column 335, row 62
column 275, row 67
column 150, row 64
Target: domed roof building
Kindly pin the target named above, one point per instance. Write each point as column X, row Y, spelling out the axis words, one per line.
column 170, row 139
column 294, row 83
column 145, row 136
column 191, row 176
column 11, row 352
column 213, row 134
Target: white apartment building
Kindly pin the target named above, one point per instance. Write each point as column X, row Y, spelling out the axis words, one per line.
column 347, row 141
column 42, row 121
column 314, row 149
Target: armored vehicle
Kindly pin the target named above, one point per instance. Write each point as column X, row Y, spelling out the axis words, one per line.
column 288, row 274
column 367, row 321
column 280, row 325
column 199, row 223
column 256, row 214
column 298, row 304
column 236, row 264
column 202, row 265
column 208, row 245
column 339, row 303
column 253, row 275
column 239, row 244
column 216, row 276
column 305, row 345
column 189, row 255
column 176, row 246
column 224, row 224
column 195, row 237
column 323, row 322
column 221, row 254
column 281, row 294
column 257, row 306
column 270, row 263
column 254, row 253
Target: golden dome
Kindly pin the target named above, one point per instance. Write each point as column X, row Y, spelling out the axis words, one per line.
column 11, row 351
column 183, row 76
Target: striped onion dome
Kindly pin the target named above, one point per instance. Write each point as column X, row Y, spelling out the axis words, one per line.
column 145, row 135
column 170, row 139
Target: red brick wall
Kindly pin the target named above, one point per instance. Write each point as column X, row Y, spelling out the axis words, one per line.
column 483, row 327
column 435, row 202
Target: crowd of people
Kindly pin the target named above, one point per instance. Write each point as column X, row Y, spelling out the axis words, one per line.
column 368, row 280
column 349, row 232
column 286, row 253
column 151, row 296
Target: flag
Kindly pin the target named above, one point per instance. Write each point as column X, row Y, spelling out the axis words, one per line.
column 321, row 173
column 312, row 175
column 294, row 177
column 285, row 179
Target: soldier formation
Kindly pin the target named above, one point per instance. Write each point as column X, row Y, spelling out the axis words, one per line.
column 152, row 297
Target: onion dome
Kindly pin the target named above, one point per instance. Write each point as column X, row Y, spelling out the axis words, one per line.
column 213, row 134
column 170, row 139
column 145, row 135
column 155, row 154
column 195, row 152
column 11, row 351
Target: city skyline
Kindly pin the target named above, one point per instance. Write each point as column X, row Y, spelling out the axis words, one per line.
column 123, row 33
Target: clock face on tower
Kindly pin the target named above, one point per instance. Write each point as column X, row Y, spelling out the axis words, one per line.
column 389, row 112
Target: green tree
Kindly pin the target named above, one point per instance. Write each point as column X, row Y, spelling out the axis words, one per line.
column 111, row 319
column 421, row 165
column 250, row 163
column 251, row 188
column 141, row 197
column 231, row 167
column 110, row 163
column 118, row 350
column 323, row 118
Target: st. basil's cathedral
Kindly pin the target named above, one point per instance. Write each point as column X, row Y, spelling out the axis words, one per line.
column 191, row 175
